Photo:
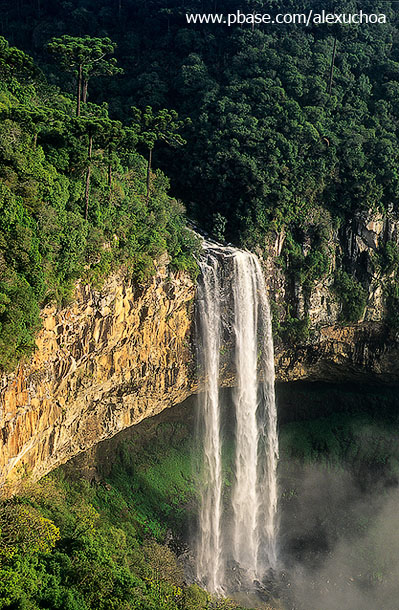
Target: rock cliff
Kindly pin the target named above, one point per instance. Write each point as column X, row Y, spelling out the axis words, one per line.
column 124, row 353
column 358, row 247
column 112, row 358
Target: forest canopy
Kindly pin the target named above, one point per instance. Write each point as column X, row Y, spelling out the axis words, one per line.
column 75, row 201
column 272, row 134
column 290, row 130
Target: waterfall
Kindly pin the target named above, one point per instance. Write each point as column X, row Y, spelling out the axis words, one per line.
column 232, row 287
column 209, row 563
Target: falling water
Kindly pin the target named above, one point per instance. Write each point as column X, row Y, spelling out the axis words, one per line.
column 210, row 552
column 255, row 492
column 236, row 276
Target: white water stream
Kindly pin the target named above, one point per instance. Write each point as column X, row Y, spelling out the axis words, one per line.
column 239, row 526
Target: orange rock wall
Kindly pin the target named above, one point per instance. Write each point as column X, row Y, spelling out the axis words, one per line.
column 104, row 363
column 119, row 355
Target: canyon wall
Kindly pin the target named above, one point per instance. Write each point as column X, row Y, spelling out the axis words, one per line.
column 123, row 353
column 112, row 358
column 358, row 247
column 331, row 349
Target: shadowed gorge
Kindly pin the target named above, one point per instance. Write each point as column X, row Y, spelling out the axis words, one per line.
column 338, row 485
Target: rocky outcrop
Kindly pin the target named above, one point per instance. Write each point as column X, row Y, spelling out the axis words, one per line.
column 363, row 352
column 124, row 353
column 333, row 350
column 109, row 360
column 357, row 247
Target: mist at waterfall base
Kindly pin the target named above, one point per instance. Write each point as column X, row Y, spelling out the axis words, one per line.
column 338, row 534
column 338, row 509
column 345, row 546
column 338, row 478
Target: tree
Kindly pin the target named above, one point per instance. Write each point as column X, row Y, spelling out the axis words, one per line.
column 24, row 529
column 164, row 126
column 108, row 133
column 105, row 66
column 85, row 57
column 33, row 119
column 13, row 61
column 111, row 137
column 334, row 52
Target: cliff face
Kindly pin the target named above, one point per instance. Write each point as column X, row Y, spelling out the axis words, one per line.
column 362, row 352
column 334, row 351
column 101, row 365
column 358, row 247
column 119, row 355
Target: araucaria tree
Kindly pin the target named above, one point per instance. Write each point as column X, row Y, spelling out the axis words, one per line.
column 164, row 126
column 85, row 57
column 107, row 134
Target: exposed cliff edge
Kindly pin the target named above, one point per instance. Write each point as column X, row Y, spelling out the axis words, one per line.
column 332, row 350
column 101, row 365
column 119, row 355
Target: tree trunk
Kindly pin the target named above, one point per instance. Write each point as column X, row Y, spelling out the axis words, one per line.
column 79, row 90
column 84, row 93
column 149, row 173
column 88, row 174
column 109, row 182
column 109, row 178
column 332, row 67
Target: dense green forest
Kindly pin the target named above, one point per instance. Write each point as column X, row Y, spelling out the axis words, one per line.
column 269, row 143
column 288, row 129
column 76, row 198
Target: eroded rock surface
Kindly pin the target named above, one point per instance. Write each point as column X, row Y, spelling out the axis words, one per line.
column 125, row 353
column 104, row 363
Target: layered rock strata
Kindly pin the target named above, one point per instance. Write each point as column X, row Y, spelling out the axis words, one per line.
column 109, row 360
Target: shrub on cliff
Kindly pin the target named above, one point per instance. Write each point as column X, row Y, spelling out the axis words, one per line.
column 352, row 296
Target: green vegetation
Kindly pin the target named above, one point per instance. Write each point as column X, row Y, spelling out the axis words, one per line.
column 84, row 57
column 274, row 144
column 392, row 302
column 73, row 196
column 293, row 330
column 339, row 472
column 293, row 129
column 68, row 545
column 161, row 126
column 60, row 550
column 341, row 439
column 352, row 296
column 340, row 425
column 387, row 260
column 388, row 257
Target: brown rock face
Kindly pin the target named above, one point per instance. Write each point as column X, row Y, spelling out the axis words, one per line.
column 101, row 365
column 122, row 354
column 363, row 352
